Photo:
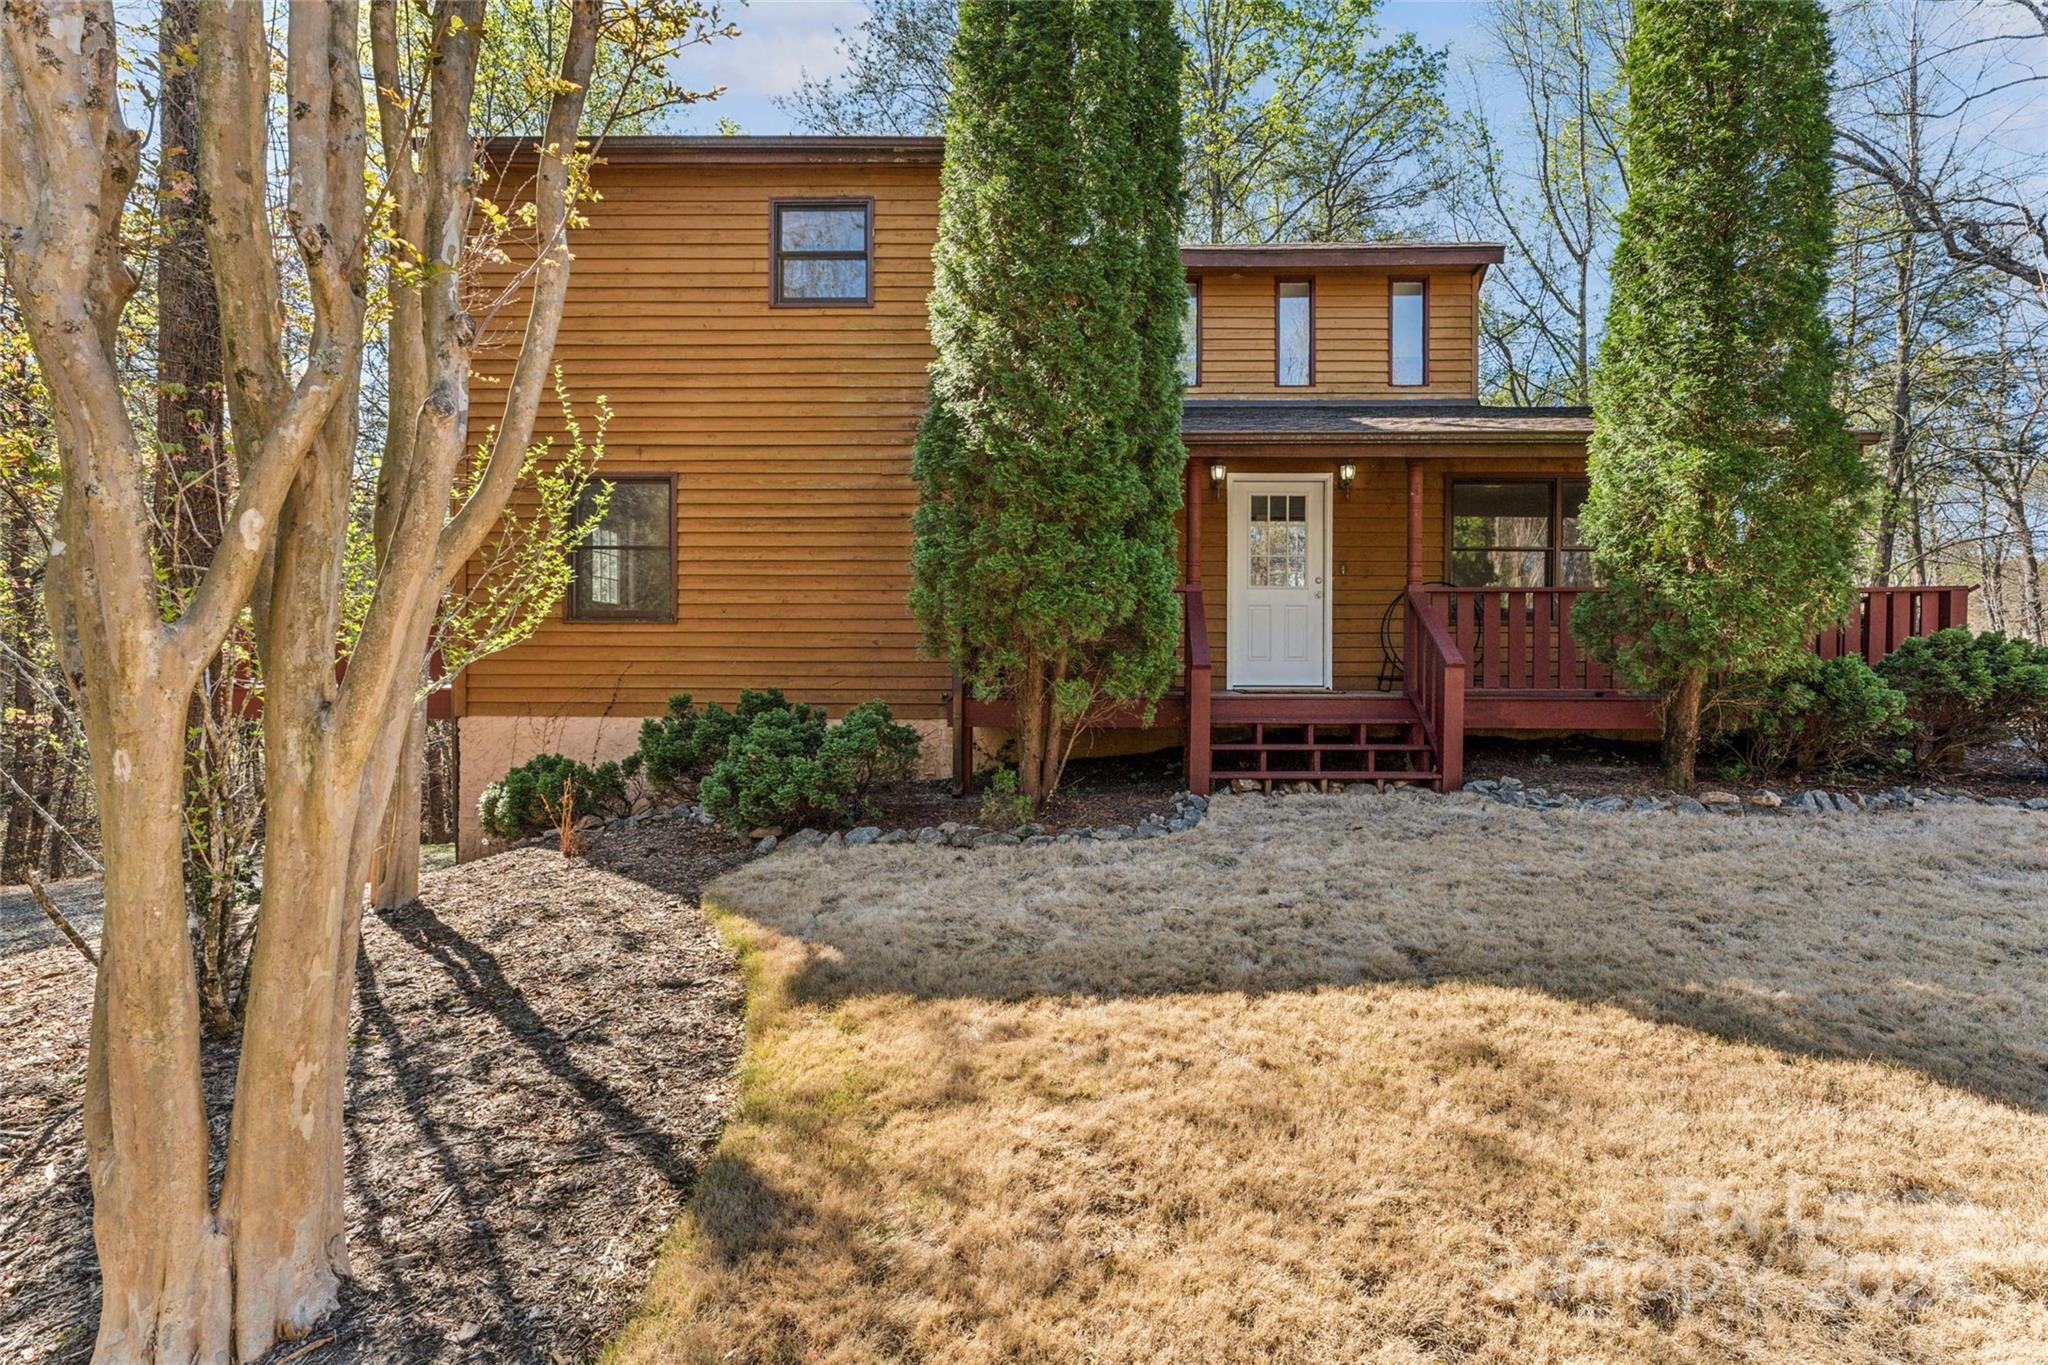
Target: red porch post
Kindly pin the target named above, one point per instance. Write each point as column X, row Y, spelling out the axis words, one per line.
column 1415, row 521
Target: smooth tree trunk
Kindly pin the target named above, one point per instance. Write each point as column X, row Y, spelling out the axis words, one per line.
column 164, row 1266
column 395, row 871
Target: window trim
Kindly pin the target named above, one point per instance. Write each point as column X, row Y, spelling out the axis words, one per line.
column 1310, row 281
column 776, row 253
column 1393, row 280
column 1195, row 290
column 668, row 618
column 1553, row 553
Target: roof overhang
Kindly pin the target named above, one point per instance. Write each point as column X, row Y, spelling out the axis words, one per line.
column 1341, row 256
column 742, row 151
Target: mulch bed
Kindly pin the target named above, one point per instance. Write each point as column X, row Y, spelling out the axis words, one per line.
column 543, row 1056
column 1581, row 766
column 1094, row 792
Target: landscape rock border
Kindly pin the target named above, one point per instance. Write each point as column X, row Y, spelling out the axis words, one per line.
column 1512, row 791
column 1188, row 808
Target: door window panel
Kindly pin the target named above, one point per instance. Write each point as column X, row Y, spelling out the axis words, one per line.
column 1277, row 541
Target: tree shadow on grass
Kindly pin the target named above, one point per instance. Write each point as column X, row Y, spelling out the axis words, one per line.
column 1914, row 941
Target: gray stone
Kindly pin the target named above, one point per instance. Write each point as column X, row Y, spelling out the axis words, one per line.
column 2011, row 803
column 2037, row 803
column 996, row 838
column 863, row 835
column 1151, row 831
column 1037, row 840
column 1113, row 834
column 1483, row 785
column 1685, row 805
column 1510, row 783
column 835, row 840
column 962, row 836
column 1025, row 831
column 1647, row 803
column 806, row 838
column 1198, row 801
column 1608, row 803
column 767, row 844
column 931, row 835
column 894, row 836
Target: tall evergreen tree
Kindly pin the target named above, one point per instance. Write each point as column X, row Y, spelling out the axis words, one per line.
column 1048, row 463
column 1727, row 491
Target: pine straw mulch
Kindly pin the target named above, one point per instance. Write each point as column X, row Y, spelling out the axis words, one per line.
column 543, row 1055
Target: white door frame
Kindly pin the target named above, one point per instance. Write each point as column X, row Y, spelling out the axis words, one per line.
column 1236, row 568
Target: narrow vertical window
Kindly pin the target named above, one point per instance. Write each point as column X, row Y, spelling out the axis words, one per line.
column 1294, row 328
column 626, row 570
column 822, row 253
column 1191, row 336
column 1408, row 315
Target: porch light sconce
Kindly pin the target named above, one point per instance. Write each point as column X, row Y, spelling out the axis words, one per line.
column 1216, row 473
column 1346, row 472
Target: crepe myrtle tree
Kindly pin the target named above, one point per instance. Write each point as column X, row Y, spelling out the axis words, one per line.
column 1048, row 463
column 1727, row 491
column 186, row 1278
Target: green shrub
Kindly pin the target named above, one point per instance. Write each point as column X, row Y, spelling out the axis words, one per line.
column 789, row 768
column 1003, row 803
column 520, row 802
column 1965, row 689
column 1823, row 715
column 680, row 747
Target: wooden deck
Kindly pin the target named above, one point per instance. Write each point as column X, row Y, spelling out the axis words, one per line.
column 1476, row 659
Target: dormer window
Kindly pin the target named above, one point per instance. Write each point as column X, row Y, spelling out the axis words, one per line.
column 1407, row 321
column 1294, row 333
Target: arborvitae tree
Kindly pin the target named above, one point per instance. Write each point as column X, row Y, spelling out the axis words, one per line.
column 1049, row 460
column 1727, row 491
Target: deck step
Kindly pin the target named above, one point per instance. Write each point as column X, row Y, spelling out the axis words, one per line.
column 1333, row 747
column 1319, row 738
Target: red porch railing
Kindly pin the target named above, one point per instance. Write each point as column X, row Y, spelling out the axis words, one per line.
column 1885, row 618
column 1195, row 645
column 1520, row 639
column 1435, row 684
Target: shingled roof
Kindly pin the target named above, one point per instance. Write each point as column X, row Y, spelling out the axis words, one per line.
column 1308, row 420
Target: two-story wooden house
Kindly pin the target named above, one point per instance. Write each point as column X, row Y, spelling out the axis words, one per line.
column 1375, row 561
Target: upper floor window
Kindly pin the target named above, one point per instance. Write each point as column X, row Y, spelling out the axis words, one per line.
column 1408, row 320
column 1521, row 533
column 823, row 252
column 1191, row 336
column 626, row 569
column 1294, row 332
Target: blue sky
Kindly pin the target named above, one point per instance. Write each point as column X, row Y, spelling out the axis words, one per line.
column 781, row 39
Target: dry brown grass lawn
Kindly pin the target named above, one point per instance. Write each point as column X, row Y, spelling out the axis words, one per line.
column 1363, row 1078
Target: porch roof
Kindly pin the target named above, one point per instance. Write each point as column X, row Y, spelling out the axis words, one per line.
column 1211, row 421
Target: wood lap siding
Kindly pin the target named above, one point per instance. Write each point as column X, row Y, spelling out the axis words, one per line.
column 789, row 432
column 1351, row 350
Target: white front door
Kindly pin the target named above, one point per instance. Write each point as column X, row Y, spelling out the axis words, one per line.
column 1279, row 567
